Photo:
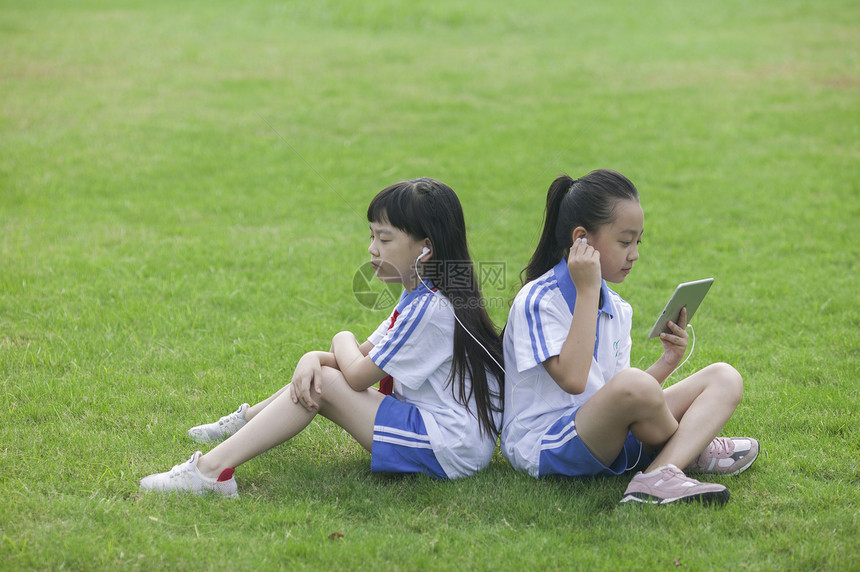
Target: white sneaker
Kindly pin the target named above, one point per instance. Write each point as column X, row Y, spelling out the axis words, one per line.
column 222, row 428
column 186, row 477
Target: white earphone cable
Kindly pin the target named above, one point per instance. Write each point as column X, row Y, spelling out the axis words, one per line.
column 458, row 319
column 689, row 355
column 662, row 385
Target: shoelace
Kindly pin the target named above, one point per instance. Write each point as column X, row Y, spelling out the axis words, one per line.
column 719, row 447
column 177, row 469
column 670, row 472
column 228, row 419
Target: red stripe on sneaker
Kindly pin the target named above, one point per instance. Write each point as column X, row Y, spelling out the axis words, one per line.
column 226, row 475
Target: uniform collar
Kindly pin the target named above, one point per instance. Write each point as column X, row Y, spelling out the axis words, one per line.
column 568, row 290
column 406, row 298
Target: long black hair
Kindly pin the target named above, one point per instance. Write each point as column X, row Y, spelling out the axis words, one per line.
column 426, row 208
column 588, row 202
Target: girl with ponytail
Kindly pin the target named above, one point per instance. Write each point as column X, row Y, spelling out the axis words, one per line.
column 573, row 404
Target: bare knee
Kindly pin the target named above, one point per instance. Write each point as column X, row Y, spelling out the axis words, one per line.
column 728, row 380
column 335, row 389
column 634, row 389
column 331, row 379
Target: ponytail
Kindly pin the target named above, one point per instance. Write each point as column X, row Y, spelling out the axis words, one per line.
column 588, row 202
column 549, row 250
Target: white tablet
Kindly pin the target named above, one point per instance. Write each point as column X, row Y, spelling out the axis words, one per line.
column 689, row 294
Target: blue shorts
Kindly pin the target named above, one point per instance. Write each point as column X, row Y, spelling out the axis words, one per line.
column 400, row 441
column 564, row 453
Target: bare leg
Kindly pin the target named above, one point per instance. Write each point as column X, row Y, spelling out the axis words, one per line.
column 281, row 419
column 255, row 409
column 702, row 404
column 630, row 401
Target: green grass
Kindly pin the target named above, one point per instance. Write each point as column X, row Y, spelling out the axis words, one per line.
column 182, row 189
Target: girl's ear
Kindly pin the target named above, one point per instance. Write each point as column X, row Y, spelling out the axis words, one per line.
column 579, row 232
column 428, row 250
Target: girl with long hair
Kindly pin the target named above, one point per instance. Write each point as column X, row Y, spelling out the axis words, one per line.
column 438, row 351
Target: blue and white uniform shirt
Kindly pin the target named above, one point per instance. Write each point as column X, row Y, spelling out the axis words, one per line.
column 418, row 351
column 538, row 325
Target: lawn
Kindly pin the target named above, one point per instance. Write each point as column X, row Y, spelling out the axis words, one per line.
column 182, row 199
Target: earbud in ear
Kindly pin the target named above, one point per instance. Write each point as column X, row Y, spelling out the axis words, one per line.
column 424, row 251
column 583, row 239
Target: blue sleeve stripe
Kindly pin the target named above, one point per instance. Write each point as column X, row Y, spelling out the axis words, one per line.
column 403, row 332
column 532, row 308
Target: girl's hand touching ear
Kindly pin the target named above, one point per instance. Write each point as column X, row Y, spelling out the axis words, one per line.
column 583, row 263
column 675, row 343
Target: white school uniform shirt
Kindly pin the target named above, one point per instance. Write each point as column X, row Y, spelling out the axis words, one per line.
column 538, row 324
column 418, row 351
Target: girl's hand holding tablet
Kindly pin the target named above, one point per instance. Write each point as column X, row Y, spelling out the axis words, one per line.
column 675, row 344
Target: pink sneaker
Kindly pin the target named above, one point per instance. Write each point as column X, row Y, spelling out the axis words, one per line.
column 668, row 485
column 725, row 456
